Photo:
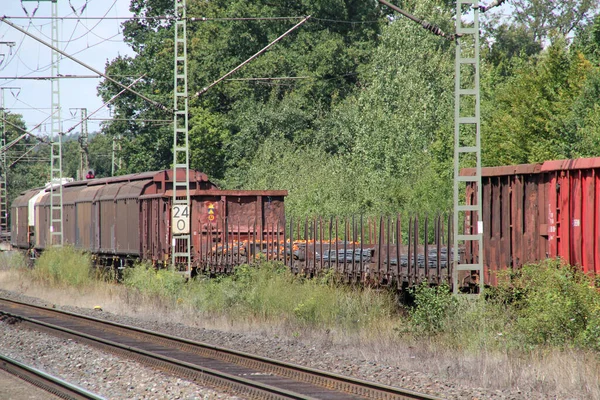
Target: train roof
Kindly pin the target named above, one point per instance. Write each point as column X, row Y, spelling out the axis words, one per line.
column 535, row 168
column 23, row 198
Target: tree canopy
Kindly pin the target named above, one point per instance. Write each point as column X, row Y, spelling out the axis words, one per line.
column 353, row 111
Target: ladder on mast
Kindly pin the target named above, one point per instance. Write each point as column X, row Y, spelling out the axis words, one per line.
column 467, row 147
column 56, row 184
column 180, row 211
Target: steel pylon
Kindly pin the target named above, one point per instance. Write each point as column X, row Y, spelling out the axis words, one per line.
column 467, row 147
column 180, row 211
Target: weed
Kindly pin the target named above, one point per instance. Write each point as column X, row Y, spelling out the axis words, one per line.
column 64, row 266
column 12, row 260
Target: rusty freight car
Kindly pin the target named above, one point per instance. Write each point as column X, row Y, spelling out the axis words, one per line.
column 125, row 218
column 535, row 211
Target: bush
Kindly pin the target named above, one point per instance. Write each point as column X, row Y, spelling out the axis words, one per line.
column 64, row 266
column 163, row 283
column 433, row 308
column 554, row 304
column 542, row 304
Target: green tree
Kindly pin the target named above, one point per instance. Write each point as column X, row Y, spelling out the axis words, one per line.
column 529, row 117
column 325, row 54
column 384, row 148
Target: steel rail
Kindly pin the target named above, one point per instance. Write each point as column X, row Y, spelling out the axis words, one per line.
column 347, row 386
column 47, row 382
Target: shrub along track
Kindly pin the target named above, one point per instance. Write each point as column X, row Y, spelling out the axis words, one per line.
column 49, row 383
column 236, row 372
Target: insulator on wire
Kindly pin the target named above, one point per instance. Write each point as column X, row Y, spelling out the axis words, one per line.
column 495, row 3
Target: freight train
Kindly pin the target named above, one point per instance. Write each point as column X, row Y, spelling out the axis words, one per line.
column 127, row 218
column 123, row 219
column 530, row 212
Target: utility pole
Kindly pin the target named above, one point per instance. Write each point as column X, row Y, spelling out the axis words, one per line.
column 467, row 146
column 4, row 172
column 56, row 189
column 180, row 211
column 84, row 164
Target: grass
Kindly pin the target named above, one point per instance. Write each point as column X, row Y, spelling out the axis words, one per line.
column 538, row 331
column 64, row 266
column 256, row 294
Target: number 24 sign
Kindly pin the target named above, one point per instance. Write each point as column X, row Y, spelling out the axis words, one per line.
column 181, row 219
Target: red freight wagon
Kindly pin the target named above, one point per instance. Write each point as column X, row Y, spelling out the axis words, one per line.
column 536, row 211
column 128, row 217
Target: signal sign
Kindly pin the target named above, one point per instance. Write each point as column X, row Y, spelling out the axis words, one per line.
column 181, row 219
column 211, row 212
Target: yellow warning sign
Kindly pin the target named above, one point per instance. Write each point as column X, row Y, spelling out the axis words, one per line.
column 211, row 211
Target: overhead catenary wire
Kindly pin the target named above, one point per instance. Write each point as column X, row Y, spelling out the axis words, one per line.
column 41, row 78
column 106, row 103
column 198, row 19
column 46, row 67
column 153, row 102
column 267, row 47
column 426, row 25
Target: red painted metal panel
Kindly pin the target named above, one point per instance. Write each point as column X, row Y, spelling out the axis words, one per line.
column 596, row 237
column 543, row 206
column 530, row 220
column 505, row 229
column 588, row 219
column 517, row 221
column 575, row 204
column 564, row 217
column 552, row 215
column 490, row 236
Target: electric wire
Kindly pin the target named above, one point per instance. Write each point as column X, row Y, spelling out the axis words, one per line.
column 46, row 67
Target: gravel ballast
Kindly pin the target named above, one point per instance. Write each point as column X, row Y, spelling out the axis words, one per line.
column 118, row 378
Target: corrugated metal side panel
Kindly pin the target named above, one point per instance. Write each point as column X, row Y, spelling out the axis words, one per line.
column 42, row 225
column 107, row 219
column 542, row 205
column 241, row 210
column 517, row 220
column 596, row 235
column 164, row 222
column 127, row 227
column 564, row 217
column 531, row 231
column 69, row 224
column 491, row 235
column 505, row 257
column 19, row 226
column 83, row 236
column 273, row 211
column 588, row 219
column 552, row 214
column 575, row 200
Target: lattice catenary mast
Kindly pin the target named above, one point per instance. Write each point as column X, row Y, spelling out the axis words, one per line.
column 4, row 171
column 467, row 134
column 180, row 211
column 56, row 191
column 467, row 144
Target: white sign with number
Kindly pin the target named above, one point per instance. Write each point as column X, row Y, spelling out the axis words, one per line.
column 181, row 219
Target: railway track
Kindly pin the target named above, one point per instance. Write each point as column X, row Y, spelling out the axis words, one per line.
column 47, row 382
column 236, row 372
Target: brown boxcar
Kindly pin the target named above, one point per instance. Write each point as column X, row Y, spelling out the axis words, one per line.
column 21, row 220
column 536, row 211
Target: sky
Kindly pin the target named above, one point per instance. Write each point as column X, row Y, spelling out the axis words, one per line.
column 92, row 41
